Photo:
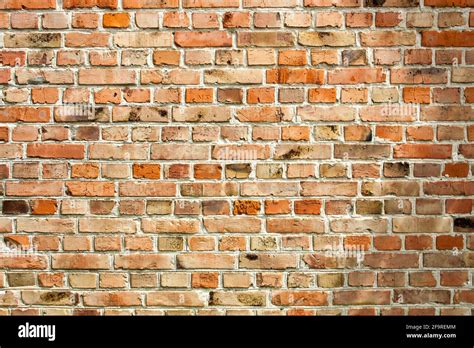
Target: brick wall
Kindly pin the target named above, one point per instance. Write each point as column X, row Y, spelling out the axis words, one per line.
column 236, row 156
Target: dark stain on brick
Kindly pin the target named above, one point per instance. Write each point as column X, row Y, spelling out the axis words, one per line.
column 100, row 112
column 15, row 207
column 279, row 114
column 53, row 297
column 464, row 223
column 369, row 136
column 251, row 257
column 238, row 167
column 291, row 154
column 374, row 3
column 212, row 298
column 227, row 17
column 352, row 56
column 43, row 37
column 405, row 166
column 398, row 169
column 366, row 191
column 323, row 34
column 134, row 115
column 294, row 153
column 39, row 80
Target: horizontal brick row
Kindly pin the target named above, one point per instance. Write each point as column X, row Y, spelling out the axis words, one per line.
column 113, row 4
column 236, row 157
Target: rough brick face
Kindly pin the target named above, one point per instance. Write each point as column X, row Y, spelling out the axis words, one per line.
column 237, row 156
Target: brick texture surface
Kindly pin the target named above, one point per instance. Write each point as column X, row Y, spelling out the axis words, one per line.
column 289, row 157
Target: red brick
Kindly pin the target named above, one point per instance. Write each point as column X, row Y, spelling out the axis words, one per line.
column 447, row 38
column 203, row 39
